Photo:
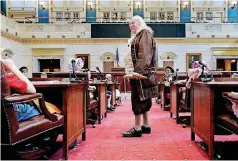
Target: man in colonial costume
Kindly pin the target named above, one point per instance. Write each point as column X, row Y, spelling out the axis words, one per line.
column 143, row 58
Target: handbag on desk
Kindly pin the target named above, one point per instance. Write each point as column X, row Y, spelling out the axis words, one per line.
column 52, row 108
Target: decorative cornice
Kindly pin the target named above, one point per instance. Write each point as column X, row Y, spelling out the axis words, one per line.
column 74, row 41
column 11, row 36
column 109, row 41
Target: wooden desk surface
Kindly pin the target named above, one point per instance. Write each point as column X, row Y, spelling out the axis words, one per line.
column 217, row 84
column 53, row 84
column 98, row 83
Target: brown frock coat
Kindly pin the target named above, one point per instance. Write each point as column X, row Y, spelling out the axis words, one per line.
column 143, row 50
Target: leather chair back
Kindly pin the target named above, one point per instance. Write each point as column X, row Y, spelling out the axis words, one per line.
column 5, row 91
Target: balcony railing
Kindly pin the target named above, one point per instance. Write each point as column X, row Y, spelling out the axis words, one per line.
column 56, row 20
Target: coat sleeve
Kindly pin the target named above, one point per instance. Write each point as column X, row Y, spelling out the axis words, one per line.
column 145, row 53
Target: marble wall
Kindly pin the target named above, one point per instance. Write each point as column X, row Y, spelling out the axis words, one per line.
column 20, row 54
column 23, row 53
column 180, row 50
column 95, row 51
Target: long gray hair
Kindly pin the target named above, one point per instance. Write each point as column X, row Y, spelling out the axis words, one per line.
column 142, row 24
column 141, row 27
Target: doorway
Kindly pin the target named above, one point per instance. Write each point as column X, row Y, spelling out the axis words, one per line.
column 107, row 66
column 49, row 65
column 227, row 64
column 168, row 63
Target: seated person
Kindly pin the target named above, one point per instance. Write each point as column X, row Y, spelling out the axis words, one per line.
column 21, row 84
column 110, row 107
column 167, row 78
column 195, row 72
column 90, row 88
column 24, row 70
column 118, row 95
column 168, row 74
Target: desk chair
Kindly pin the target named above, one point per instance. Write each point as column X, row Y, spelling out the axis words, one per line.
column 92, row 112
column 17, row 135
column 228, row 121
column 184, row 106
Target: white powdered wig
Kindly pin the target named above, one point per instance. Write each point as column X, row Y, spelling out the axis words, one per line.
column 141, row 27
column 142, row 24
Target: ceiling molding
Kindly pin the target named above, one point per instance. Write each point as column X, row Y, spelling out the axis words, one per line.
column 11, row 36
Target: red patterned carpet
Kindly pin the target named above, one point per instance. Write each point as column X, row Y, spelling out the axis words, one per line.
column 166, row 142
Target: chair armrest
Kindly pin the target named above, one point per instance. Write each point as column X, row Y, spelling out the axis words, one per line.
column 45, row 111
column 27, row 98
column 21, row 98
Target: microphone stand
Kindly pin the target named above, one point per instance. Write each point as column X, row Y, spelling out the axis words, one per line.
column 175, row 75
column 204, row 76
column 203, row 67
column 75, row 79
column 99, row 76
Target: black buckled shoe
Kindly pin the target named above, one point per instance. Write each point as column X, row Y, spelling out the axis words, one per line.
column 132, row 133
column 145, row 130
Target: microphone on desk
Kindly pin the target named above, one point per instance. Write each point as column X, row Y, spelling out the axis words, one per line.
column 73, row 65
column 98, row 70
column 100, row 73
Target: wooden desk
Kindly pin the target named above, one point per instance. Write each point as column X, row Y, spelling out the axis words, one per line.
column 112, row 86
column 71, row 97
column 102, row 97
column 174, row 99
column 206, row 98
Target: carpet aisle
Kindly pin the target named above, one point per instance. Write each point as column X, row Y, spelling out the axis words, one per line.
column 167, row 140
